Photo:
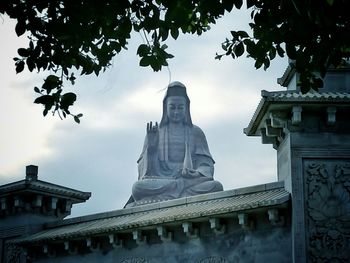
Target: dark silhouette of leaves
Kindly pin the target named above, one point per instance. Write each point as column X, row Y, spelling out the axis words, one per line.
column 84, row 36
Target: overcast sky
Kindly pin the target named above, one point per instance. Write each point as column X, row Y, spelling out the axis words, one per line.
column 99, row 155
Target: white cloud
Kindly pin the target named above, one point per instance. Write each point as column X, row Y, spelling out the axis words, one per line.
column 141, row 104
column 24, row 133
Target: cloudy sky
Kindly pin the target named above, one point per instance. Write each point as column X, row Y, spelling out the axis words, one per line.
column 99, row 155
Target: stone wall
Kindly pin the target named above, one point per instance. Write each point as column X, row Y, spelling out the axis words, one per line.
column 264, row 245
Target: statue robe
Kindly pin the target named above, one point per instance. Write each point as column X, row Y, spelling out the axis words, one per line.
column 161, row 179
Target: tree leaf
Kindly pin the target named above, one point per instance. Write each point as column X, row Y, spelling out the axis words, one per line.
column 291, row 51
column 239, row 49
column 251, row 3
column 174, row 33
column 30, row 64
column 238, row 3
column 228, row 5
column 36, row 89
column 258, row 63
column 20, row 27
column 76, row 119
column 318, row 83
column 47, row 100
column 272, row 53
column 242, row 34
column 19, row 66
column 67, row 100
column 280, row 51
column 143, row 50
column 145, row 61
column 23, row 52
column 52, row 78
column 266, row 63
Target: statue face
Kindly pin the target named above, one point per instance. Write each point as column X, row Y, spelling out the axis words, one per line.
column 176, row 109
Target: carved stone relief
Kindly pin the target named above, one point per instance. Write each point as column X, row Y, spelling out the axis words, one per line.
column 328, row 210
column 135, row 260
column 13, row 253
column 213, row 260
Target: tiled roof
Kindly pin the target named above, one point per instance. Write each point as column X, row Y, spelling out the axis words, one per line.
column 290, row 97
column 312, row 96
column 43, row 187
column 287, row 75
column 180, row 210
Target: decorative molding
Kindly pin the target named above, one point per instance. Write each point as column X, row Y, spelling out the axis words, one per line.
column 50, row 252
column 38, row 202
column 278, row 119
column 274, row 129
column 53, row 203
column 189, row 230
column 244, row 222
column 216, row 226
column 68, row 206
column 115, row 241
column 328, row 209
column 93, row 245
column 3, row 204
column 72, row 250
column 331, row 115
column 164, row 234
column 138, row 237
column 296, row 115
column 265, row 139
column 274, row 217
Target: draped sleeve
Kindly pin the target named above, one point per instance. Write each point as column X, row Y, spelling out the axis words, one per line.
column 142, row 162
column 203, row 162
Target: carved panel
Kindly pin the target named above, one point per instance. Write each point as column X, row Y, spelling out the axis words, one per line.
column 12, row 253
column 328, row 210
column 135, row 260
column 213, row 260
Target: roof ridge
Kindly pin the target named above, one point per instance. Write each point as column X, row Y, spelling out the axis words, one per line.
column 252, row 201
column 170, row 203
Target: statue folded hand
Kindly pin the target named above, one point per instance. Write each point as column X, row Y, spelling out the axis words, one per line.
column 186, row 172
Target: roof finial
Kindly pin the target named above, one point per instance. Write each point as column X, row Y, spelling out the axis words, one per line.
column 31, row 172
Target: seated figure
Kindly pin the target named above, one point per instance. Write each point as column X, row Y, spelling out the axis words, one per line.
column 175, row 161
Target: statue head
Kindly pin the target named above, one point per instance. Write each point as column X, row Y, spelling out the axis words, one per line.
column 174, row 94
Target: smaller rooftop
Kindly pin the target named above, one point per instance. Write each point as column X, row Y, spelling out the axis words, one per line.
column 34, row 196
column 31, row 184
column 280, row 100
column 199, row 207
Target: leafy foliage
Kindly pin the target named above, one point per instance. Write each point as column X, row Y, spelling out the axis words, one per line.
column 68, row 36
column 313, row 33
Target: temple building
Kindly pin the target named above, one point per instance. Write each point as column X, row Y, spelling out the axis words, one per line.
column 303, row 217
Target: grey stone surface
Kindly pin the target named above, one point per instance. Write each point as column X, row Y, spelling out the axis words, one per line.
column 26, row 205
column 311, row 133
column 263, row 245
column 316, row 172
column 175, row 161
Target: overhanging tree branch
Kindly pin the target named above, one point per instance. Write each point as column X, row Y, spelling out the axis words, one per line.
column 67, row 36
